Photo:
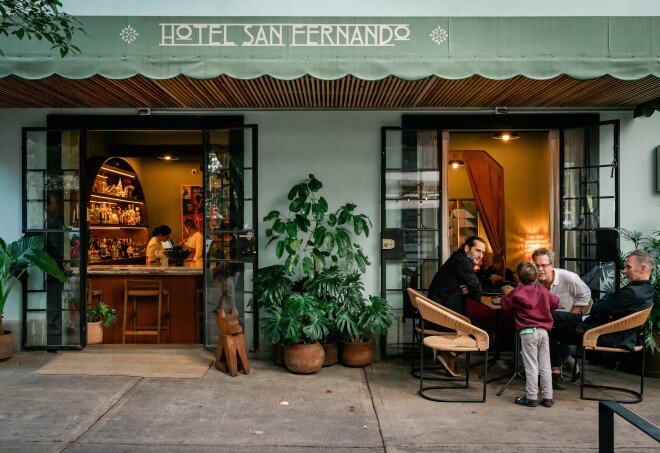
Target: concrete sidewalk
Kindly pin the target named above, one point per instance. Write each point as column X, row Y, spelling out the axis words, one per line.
column 375, row 409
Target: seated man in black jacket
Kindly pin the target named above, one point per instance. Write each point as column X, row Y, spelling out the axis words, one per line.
column 634, row 297
column 456, row 278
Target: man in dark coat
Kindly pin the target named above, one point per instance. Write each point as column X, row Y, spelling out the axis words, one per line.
column 457, row 276
column 455, row 279
column 632, row 298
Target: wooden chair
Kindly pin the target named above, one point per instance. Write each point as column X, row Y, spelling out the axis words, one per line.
column 417, row 330
column 590, row 342
column 92, row 293
column 466, row 339
column 141, row 291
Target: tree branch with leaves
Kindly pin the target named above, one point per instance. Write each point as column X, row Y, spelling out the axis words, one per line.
column 41, row 20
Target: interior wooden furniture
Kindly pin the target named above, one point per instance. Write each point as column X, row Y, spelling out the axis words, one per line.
column 92, row 293
column 590, row 343
column 467, row 339
column 141, row 291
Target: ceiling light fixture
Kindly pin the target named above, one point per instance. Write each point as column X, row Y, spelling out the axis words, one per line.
column 168, row 157
column 506, row 136
column 456, row 163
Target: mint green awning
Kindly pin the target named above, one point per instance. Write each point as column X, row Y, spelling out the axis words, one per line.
column 410, row 48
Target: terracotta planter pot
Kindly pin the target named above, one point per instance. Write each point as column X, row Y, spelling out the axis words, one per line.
column 304, row 358
column 6, row 345
column 94, row 332
column 356, row 354
column 331, row 349
column 278, row 354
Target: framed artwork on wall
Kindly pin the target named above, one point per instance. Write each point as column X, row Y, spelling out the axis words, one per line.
column 463, row 221
column 192, row 206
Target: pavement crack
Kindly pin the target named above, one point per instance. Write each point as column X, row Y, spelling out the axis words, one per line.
column 373, row 404
column 98, row 413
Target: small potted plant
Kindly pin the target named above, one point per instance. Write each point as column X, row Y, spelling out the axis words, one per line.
column 356, row 320
column 99, row 316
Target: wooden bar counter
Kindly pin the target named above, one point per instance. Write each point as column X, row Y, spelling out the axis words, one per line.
column 181, row 282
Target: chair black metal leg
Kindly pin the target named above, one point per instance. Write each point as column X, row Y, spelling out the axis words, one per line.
column 465, row 383
column 638, row 395
column 516, row 366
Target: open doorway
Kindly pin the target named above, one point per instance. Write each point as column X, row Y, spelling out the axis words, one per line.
column 522, row 168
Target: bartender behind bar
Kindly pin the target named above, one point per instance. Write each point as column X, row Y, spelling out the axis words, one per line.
column 155, row 247
column 195, row 242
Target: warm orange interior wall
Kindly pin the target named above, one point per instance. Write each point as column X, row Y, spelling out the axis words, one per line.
column 526, row 184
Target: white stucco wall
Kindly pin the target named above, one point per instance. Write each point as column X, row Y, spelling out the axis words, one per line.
column 343, row 150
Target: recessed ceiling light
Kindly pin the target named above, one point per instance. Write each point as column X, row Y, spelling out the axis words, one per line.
column 506, row 136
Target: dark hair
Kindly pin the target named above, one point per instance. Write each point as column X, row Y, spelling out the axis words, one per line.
column 469, row 242
column 163, row 229
column 527, row 272
column 499, row 258
column 190, row 223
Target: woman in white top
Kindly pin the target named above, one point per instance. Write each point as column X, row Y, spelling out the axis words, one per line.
column 155, row 247
column 195, row 242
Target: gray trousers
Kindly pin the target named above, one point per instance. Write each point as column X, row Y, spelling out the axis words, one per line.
column 535, row 349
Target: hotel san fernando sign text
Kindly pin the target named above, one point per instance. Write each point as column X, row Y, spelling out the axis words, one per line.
column 282, row 34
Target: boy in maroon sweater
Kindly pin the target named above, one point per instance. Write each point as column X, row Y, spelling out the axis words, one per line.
column 531, row 304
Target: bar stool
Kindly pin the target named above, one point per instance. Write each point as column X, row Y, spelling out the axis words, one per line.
column 92, row 293
column 141, row 291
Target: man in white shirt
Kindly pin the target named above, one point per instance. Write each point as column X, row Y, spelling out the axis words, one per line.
column 574, row 295
column 194, row 243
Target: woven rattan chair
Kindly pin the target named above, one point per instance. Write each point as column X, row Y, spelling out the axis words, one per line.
column 590, row 342
column 417, row 332
column 466, row 339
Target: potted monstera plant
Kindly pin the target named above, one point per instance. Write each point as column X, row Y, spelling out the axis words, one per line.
column 299, row 324
column 16, row 258
column 98, row 317
column 317, row 245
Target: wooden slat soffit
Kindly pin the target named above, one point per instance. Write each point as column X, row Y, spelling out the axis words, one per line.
column 310, row 93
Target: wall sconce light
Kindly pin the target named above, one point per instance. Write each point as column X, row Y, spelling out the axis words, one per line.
column 533, row 242
column 168, row 157
column 456, row 163
column 506, row 136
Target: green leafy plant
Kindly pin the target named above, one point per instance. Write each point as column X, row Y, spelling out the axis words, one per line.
column 650, row 243
column 101, row 312
column 42, row 20
column 300, row 319
column 312, row 237
column 318, row 244
column 17, row 258
column 272, row 285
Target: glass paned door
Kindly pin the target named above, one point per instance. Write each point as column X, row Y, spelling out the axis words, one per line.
column 589, row 205
column 51, row 210
column 230, row 229
column 410, row 222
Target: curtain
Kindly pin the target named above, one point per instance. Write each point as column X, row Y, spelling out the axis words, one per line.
column 487, row 181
